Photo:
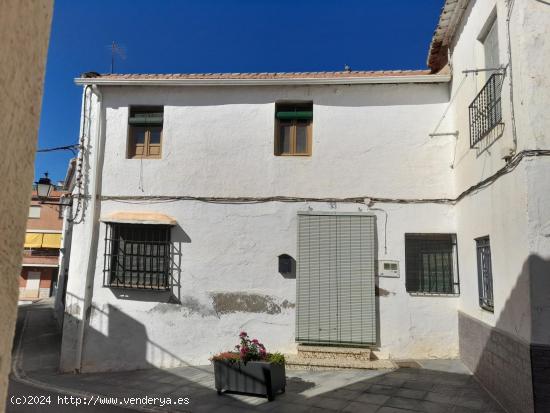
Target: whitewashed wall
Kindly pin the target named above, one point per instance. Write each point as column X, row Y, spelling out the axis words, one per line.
column 504, row 210
column 370, row 139
column 367, row 141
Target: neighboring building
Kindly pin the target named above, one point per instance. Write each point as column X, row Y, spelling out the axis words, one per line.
column 41, row 250
column 406, row 211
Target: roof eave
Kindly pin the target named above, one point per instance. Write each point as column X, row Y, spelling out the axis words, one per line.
column 430, row 78
column 449, row 19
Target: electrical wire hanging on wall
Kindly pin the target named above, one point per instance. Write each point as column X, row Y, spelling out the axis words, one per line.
column 365, row 199
column 79, row 184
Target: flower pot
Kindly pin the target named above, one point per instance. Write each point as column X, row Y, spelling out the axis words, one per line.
column 255, row 377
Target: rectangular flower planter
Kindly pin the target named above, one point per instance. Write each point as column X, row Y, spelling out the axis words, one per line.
column 255, row 377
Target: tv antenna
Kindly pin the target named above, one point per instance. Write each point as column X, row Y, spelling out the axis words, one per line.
column 117, row 50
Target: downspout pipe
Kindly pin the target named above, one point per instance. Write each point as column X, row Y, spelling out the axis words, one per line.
column 510, row 4
column 64, row 256
column 93, row 215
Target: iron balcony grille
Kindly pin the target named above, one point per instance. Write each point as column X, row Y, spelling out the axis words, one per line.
column 485, row 273
column 137, row 256
column 431, row 264
column 485, row 110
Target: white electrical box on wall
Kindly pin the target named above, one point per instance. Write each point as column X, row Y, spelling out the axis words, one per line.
column 388, row 268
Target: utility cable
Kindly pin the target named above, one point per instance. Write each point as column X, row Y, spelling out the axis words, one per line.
column 72, row 148
column 510, row 5
column 509, row 167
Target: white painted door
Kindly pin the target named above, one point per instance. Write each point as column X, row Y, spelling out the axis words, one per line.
column 33, row 281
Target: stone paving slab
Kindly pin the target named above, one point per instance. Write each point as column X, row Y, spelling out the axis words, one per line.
column 438, row 386
column 307, row 391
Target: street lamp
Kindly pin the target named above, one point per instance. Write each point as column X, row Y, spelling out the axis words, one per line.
column 44, row 187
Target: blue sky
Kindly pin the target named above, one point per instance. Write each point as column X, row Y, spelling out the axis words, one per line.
column 183, row 36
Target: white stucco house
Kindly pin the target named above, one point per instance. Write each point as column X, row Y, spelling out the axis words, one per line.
column 404, row 211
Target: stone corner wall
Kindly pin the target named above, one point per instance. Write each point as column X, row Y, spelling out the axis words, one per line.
column 24, row 30
column 540, row 371
column 501, row 363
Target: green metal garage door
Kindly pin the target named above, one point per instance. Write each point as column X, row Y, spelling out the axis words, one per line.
column 335, row 279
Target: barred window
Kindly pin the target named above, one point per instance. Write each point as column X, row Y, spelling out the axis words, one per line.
column 137, row 256
column 485, row 273
column 431, row 264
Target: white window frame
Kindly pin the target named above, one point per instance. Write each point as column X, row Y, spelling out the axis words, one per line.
column 35, row 208
column 490, row 23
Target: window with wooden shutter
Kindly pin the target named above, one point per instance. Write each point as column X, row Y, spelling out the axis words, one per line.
column 145, row 132
column 293, row 124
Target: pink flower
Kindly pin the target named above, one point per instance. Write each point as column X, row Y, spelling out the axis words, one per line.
column 255, row 341
column 243, row 334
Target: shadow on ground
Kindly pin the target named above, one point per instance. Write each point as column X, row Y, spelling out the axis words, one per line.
column 440, row 386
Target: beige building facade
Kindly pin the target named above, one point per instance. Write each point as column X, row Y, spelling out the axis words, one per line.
column 21, row 81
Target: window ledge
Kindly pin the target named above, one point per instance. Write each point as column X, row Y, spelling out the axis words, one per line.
column 433, row 294
column 138, row 288
column 294, row 155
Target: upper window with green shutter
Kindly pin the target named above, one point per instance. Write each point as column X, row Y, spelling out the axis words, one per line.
column 293, row 129
column 145, row 132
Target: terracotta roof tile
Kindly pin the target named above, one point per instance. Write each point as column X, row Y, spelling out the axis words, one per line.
column 449, row 19
column 262, row 75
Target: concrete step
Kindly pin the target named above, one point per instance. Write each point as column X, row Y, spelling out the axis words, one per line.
column 334, row 353
column 296, row 362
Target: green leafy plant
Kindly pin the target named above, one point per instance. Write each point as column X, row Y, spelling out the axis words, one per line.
column 276, row 358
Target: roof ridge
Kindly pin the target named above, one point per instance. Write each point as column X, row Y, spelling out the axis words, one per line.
column 342, row 74
column 351, row 72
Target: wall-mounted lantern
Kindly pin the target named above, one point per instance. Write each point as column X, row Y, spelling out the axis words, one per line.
column 44, row 187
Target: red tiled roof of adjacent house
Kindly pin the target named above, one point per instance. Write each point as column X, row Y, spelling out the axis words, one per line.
column 449, row 19
column 55, row 193
column 264, row 75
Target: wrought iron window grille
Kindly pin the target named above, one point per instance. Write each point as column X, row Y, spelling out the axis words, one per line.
column 137, row 256
column 485, row 111
column 431, row 264
column 485, row 274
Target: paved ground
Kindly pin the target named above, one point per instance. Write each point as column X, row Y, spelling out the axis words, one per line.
column 17, row 392
column 43, row 334
column 439, row 386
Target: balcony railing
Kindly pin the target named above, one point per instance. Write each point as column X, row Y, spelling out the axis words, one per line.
column 485, row 110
